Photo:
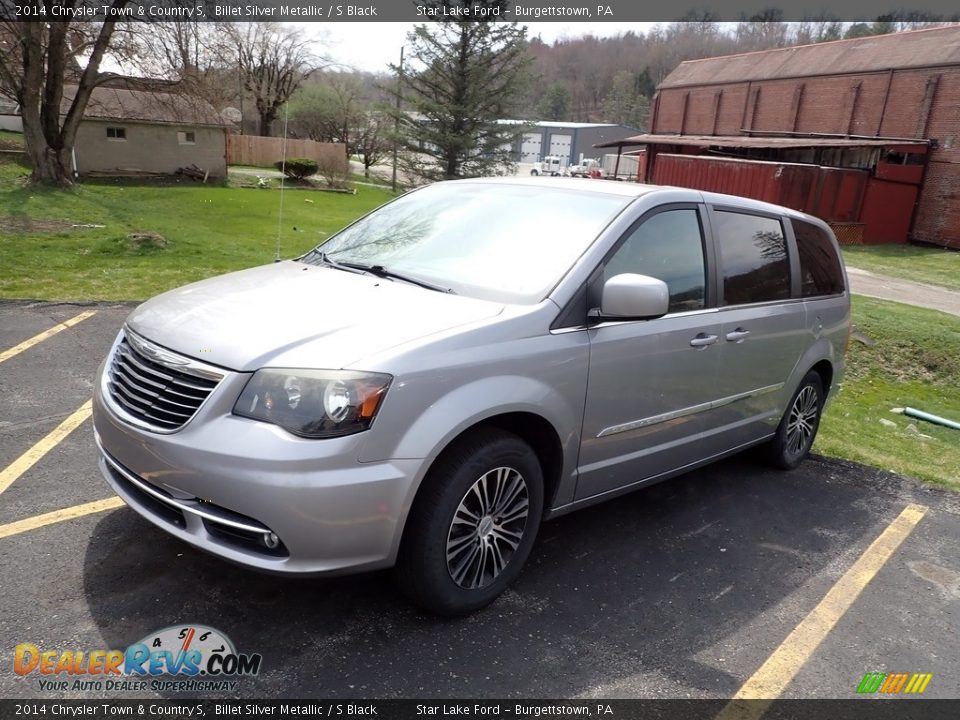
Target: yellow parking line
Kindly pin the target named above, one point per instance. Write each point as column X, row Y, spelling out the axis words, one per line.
column 27, row 344
column 38, row 521
column 781, row 667
column 26, row 461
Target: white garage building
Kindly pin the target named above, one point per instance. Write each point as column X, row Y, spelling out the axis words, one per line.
column 567, row 139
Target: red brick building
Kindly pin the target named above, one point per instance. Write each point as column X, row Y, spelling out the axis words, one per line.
column 864, row 132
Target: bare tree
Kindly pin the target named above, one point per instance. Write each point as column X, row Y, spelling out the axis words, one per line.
column 200, row 57
column 330, row 110
column 762, row 30
column 274, row 60
column 36, row 59
column 372, row 140
column 680, row 41
column 821, row 28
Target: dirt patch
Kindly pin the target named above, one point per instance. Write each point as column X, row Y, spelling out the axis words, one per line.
column 944, row 578
column 146, row 241
column 26, row 225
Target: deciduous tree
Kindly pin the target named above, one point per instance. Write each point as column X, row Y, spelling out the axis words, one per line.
column 200, row 57
column 274, row 60
column 36, row 59
column 373, row 140
column 330, row 109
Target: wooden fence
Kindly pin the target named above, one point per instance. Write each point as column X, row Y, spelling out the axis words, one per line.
column 260, row 151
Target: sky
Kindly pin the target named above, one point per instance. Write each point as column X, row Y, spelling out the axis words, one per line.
column 372, row 46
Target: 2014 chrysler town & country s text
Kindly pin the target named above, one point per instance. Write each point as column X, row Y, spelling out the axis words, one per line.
column 425, row 387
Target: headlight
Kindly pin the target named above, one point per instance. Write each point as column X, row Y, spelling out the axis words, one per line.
column 313, row 403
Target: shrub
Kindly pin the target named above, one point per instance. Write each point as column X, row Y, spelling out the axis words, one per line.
column 334, row 170
column 297, row 168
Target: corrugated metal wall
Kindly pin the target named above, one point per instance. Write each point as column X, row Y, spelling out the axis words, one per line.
column 912, row 102
column 840, row 195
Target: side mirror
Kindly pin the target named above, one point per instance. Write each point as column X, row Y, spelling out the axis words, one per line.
column 632, row 297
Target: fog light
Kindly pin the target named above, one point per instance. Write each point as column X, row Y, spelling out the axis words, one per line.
column 271, row 541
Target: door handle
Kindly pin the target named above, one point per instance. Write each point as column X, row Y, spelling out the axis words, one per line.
column 702, row 340
column 737, row 335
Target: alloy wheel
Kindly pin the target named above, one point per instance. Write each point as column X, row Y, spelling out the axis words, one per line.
column 487, row 528
column 803, row 421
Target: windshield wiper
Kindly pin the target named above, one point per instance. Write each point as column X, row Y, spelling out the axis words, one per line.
column 317, row 257
column 381, row 271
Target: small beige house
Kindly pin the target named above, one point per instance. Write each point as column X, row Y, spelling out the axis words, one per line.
column 138, row 130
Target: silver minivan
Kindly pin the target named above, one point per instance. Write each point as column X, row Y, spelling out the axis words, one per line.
column 426, row 386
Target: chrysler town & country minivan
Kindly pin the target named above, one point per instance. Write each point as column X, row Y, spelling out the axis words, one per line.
column 426, row 386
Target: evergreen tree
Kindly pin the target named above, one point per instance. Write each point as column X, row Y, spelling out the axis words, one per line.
column 462, row 77
column 555, row 104
column 626, row 102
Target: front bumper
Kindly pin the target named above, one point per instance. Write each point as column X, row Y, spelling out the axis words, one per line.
column 223, row 483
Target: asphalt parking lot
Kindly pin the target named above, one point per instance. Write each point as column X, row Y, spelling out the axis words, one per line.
column 684, row 590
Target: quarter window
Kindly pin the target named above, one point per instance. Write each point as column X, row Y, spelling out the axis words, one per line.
column 820, row 271
column 669, row 247
column 753, row 258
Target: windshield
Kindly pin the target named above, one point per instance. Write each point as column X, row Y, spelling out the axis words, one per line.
column 510, row 243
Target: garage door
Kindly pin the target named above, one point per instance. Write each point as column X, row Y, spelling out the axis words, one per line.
column 560, row 145
column 530, row 147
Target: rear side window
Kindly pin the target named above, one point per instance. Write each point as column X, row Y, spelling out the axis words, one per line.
column 753, row 258
column 820, row 271
column 669, row 247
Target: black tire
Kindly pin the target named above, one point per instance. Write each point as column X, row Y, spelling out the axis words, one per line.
column 798, row 427
column 534, row 173
column 423, row 570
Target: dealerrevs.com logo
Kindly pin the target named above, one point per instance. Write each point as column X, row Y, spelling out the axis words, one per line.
column 185, row 658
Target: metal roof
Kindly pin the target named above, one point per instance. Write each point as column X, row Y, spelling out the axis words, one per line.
column 574, row 125
column 916, row 48
column 747, row 141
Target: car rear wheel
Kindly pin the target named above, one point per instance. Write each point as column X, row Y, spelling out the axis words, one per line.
column 798, row 427
column 473, row 523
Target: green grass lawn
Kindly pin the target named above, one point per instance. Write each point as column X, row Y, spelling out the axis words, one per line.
column 208, row 231
column 212, row 230
column 908, row 262
column 10, row 139
column 915, row 363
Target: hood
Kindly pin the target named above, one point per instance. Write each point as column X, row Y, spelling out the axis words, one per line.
column 294, row 315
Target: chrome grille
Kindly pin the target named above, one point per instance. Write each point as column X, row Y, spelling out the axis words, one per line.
column 156, row 388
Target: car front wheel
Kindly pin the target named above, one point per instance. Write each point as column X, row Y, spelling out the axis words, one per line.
column 473, row 523
column 798, row 427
